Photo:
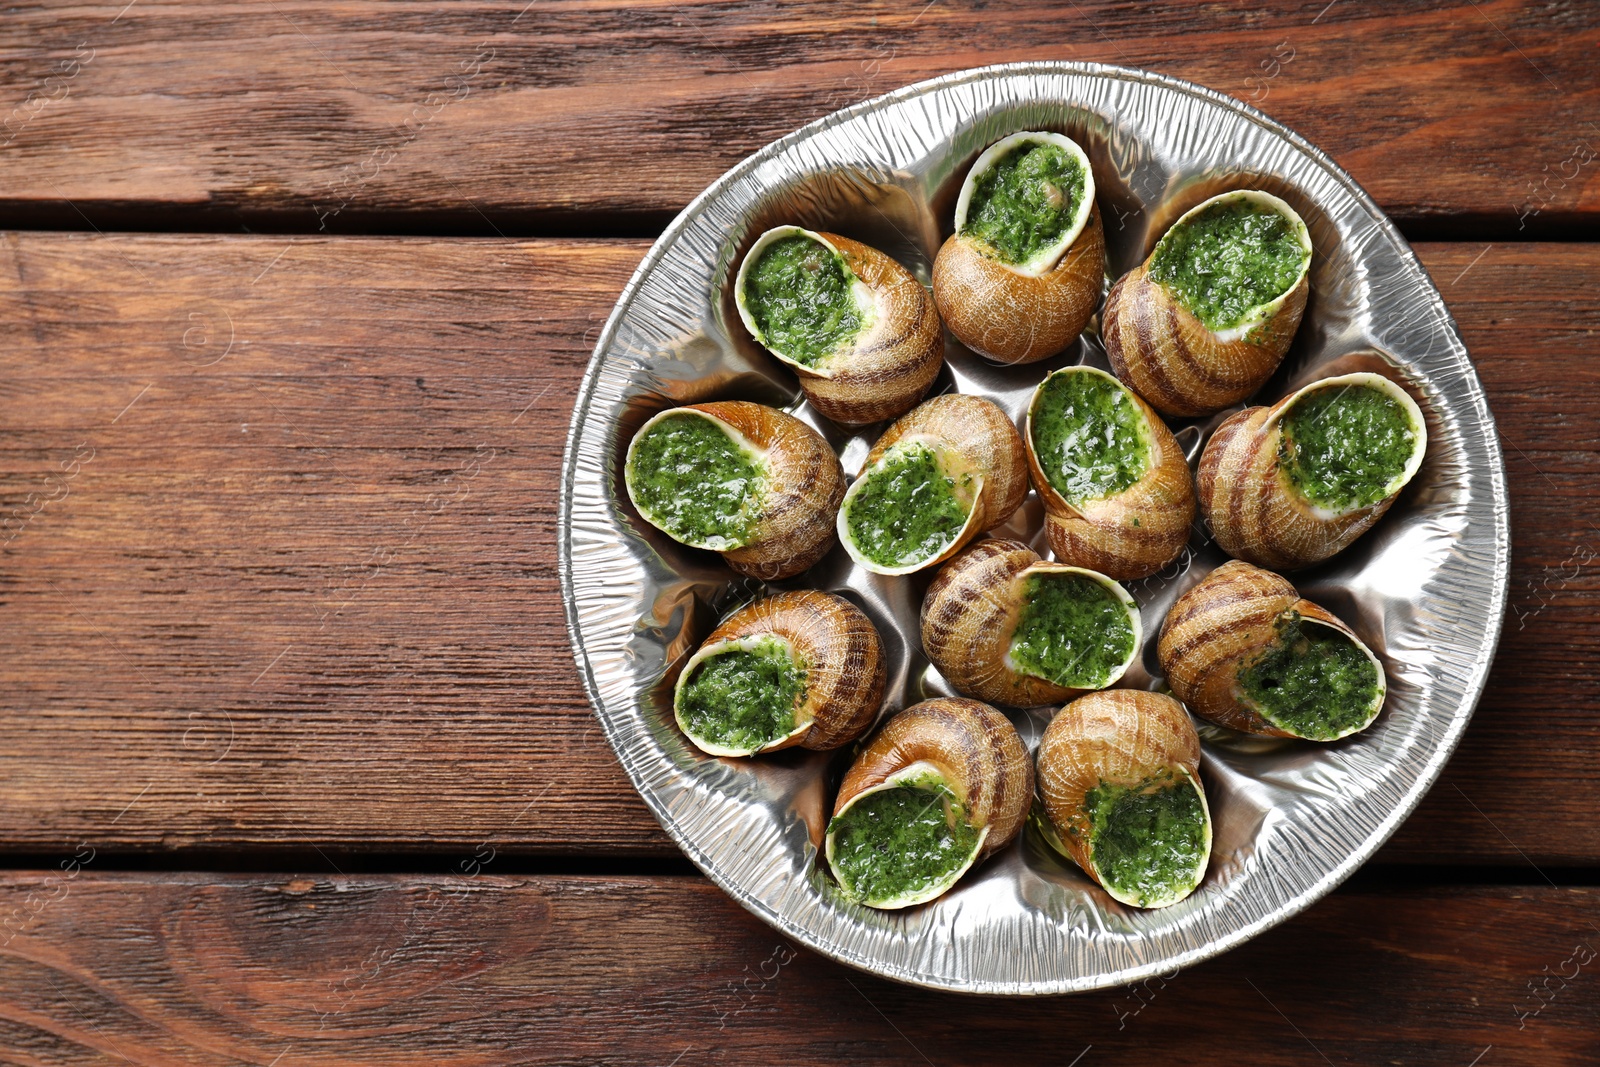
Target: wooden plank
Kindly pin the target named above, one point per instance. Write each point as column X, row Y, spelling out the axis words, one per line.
column 499, row 113
column 280, row 560
column 298, row 970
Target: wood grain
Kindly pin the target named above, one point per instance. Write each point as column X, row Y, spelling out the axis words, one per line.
column 301, row 591
column 485, row 115
column 297, row 970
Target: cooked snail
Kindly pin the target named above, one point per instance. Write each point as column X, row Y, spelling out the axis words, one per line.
column 1021, row 275
column 859, row 331
column 743, row 479
column 1245, row 651
column 1119, row 775
column 1005, row 626
column 938, row 477
column 1207, row 318
column 1290, row 485
column 1116, row 488
column 802, row 668
column 945, row 784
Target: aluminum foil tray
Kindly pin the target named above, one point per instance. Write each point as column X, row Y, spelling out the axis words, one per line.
column 1425, row 589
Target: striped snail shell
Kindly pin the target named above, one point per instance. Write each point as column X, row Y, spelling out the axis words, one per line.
column 940, row 475
column 1174, row 360
column 1021, row 312
column 881, row 370
column 823, row 645
column 967, row 765
column 1253, row 491
column 778, row 482
column 977, row 610
column 1120, row 769
column 1244, row 650
column 1124, row 523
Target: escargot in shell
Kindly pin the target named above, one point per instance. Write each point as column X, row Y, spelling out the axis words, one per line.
column 1207, row 318
column 1117, row 491
column 1019, row 278
column 743, row 479
column 940, row 475
column 860, row 332
column 1005, row 626
column 1119, row 777
column 1289, row 485
column 799, row 668
column 1245, row 651
column 945, row 784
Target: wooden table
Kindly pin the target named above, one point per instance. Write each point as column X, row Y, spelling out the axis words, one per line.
column 295, row 765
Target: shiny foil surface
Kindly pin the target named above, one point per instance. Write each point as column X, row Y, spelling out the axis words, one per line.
column 1425, row 589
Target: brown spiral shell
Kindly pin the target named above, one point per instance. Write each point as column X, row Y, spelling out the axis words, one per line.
column 970, row 434
column 974, row 748
column 804, row 488
column 970, row 613
column 1253, row 508
column 840, row 650
column 892, row 364
column 1011, row 317
column 1220, row 626
column 1178, row 363
column 1118, row 736
column 1131, row 534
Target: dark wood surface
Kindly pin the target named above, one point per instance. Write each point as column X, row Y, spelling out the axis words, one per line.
column 295, row 586
column 590, row 114
column 310, row 969
column 278, row 599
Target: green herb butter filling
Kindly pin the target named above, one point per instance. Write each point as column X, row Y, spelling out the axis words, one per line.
column 1313, row 681
column 1228, row 259
column 743, row 698
column 900, row 843
column 1073, row 631
column 1344, row 446
column 907, row 509
column 1089, row 436
column 1147, row 841
column 693, row 480
column 802, row 299
column 1026, row 201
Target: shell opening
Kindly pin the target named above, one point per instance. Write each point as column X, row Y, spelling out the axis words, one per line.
column 1348, row 442
column 741, row 696
column 815, row 310
column 702, row 488
column 903, row 842
column 1077, row 628
column 1149, row 843
column 1043, row 259
column 909, row 509
column 1090, row 439
column 1218, row 275
column 1314, row 681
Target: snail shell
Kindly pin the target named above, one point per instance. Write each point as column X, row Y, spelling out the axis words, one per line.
column 970, row 616
column 976, row 446
column 970, row 749
column 803, row 485
column 1226, row 623
column 1021, row 313
column 831, row 640
column 1119, row 737
column 885, row 369
column 1128, row 534
column 1251, row 503
column 1178, row 363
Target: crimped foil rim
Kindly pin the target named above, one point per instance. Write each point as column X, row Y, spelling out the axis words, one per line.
column 1471, row 686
